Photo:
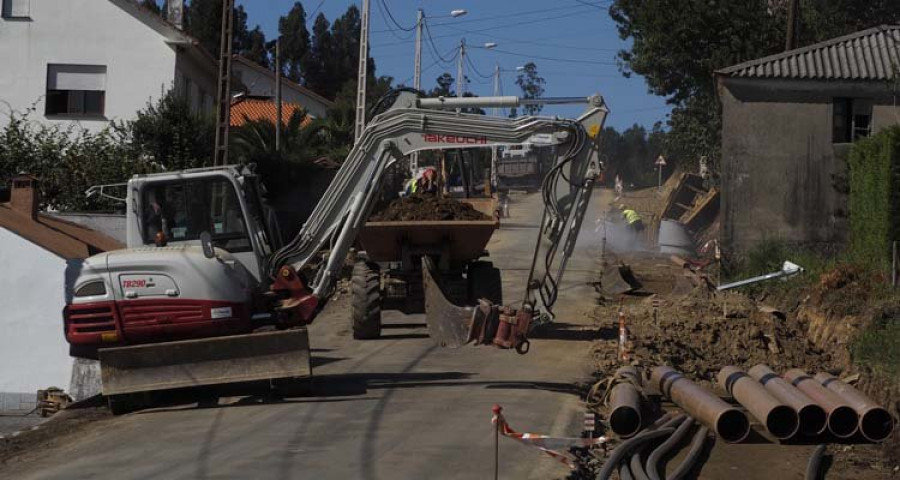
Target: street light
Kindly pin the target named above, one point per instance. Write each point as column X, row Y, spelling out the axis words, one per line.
column 460, row 77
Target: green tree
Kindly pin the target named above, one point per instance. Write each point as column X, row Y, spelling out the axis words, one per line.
column 532, row 86
column 444, row 82
column 318, row 68
column 294, row 42
column 169, row 134
column 257, row 49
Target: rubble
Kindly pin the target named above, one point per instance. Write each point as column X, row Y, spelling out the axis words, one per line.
column 426, row 207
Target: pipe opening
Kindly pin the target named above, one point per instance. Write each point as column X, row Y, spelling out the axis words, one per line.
column 732, row 426
column 843, row 422
column 876, row 424
column 813, row 420
column 782, row 422
column 625, row 421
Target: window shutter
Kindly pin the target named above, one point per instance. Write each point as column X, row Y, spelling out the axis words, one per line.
column 76, row 77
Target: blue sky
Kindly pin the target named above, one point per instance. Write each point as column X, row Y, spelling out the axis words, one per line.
column 573, row 45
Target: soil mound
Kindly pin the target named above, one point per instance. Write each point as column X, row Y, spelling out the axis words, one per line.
column 426, row 208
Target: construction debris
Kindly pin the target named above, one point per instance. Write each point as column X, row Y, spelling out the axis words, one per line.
column 426, row 207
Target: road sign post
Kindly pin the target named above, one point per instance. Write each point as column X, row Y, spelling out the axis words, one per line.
column 660, row 163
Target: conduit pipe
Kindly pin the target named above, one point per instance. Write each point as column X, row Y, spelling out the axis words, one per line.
column 843, row 421
column 875, row 423
column 693, row 454
column 728, row 422
column 656, row 456
column 779, row 419
column 812, row 418
column 625, row 403
column 627, row 446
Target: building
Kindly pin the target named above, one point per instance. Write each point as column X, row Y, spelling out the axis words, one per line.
column 256, row 81
column 41, row 256
column 788, row 122
column 246, row 108
column 94, row 61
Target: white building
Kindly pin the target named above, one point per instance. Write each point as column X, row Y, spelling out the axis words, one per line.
column 257, row 81
column 41, row 257
column 94, row 61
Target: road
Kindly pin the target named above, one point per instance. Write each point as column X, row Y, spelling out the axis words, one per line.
column 397, row 407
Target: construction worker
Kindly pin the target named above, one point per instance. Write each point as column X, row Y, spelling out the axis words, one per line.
column 632, row 219
column 425, row 183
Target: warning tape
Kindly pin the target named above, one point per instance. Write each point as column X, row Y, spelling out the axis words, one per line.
column 550, row 445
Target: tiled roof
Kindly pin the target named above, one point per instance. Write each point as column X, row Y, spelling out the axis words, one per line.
column 262, row 108
column 65, row 239
column 872, row 54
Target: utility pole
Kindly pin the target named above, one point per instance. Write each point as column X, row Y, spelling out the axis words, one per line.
column 496, row 110
column 278, row 102
column 223, row 114
column 494, row 149
column 460, row 78
column 792, row 26
column 417, row 77
column 363, row 72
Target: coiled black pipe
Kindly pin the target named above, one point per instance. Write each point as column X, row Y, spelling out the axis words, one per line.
column 693, row 454
column 815, row 462
column 636, row 465
column 657, row 454
column 625, row 472
column 627, row 446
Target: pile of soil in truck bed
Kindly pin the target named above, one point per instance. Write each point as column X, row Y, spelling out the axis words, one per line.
column 426, row 208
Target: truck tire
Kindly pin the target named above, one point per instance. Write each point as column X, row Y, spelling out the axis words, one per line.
column 485, row 282
column 365, row 310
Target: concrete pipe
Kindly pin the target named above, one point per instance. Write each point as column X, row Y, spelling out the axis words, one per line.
column 728, row 422
column 843, row 421
column 625, row 403
column 813, row 419
column 875, row 423
column 779, row 419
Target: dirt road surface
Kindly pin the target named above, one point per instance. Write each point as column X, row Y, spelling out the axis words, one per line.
column 397, row 407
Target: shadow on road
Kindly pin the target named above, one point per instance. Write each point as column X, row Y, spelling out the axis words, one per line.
column 568, row 331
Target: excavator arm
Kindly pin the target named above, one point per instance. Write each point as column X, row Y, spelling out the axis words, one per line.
column 305, row 270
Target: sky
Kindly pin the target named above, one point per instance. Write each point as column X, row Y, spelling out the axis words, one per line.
column 572, row 42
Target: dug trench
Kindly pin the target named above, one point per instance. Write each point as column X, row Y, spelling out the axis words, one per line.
column 675, row 319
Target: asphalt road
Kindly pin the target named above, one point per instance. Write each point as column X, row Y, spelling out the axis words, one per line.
column 397, row 407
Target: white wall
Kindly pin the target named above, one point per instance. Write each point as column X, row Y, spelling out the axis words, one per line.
column 263, row 85
column 33, row 351
column 140, row 65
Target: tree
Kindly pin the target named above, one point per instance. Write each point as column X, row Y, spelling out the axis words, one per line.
column 318, row 68
column 257, row 50
column 169, row 134
column 294, row 42
column 152, row 6
column 444, row 82
column 203, row 21
column 532, row 86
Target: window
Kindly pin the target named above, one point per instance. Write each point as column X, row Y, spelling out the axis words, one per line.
column 16, row 8
column 852, row 119
column 184, row 210
column 76, row 90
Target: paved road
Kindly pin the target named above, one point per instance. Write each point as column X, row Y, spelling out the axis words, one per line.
column 397, row 407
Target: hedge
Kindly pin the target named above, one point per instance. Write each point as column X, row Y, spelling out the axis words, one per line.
column 874, row 165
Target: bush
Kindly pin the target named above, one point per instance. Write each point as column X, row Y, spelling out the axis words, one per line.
column 878, row 346
column 874, row 166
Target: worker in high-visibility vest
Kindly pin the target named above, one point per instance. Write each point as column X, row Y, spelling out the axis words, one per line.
column 633, row 219
column 425, row 183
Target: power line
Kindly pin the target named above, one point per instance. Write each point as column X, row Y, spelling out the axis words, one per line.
column 384, row 16
column 472, row 65
column 315, row 11
column 394, row 20
column 530, row 42
column 432, row 45
column 512, row 15
column 555, row 59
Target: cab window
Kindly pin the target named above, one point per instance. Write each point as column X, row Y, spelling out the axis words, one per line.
column 184, row 210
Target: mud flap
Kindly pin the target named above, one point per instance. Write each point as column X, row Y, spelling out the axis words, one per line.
column 449, row 325
column 210, row 361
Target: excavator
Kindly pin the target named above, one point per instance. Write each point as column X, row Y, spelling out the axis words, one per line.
column 205, row 295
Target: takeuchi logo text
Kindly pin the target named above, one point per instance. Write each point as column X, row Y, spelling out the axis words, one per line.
column 438, row 138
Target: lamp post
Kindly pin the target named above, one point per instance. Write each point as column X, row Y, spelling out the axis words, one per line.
column 461, row 60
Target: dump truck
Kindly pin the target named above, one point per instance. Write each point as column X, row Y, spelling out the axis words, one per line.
column 205, row 294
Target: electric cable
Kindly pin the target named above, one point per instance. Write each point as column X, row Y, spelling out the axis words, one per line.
column 391, row 16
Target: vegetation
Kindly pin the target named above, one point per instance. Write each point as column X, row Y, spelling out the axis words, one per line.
column 532, row 86
column 631, row 154
column 874, row 166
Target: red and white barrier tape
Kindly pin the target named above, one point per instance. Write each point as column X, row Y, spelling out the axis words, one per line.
column 554, row 446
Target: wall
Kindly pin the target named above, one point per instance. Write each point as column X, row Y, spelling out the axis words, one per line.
column 110, row 224
column 779, row 162
column 203, row 75
column 262, row 85
column 140, row 65
column 33, row 352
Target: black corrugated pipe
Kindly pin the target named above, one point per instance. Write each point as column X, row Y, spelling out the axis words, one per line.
column 815, row 462
column 692, row 456
column 653, row 461
column 627, row 446
column 637, row 465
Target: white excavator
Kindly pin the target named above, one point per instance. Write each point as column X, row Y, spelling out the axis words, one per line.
column 204, row 295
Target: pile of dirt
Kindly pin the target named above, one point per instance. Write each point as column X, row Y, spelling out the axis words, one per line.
column 701, row 332
column 426, row 208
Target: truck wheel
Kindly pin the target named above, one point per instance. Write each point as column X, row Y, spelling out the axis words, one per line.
column 485, row 282
column 365, row 311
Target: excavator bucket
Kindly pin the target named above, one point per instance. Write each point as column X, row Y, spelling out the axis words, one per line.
column 449, row 325
column 273, row 356
column 618, row 279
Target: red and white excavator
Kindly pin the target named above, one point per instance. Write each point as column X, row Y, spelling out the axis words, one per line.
column 204, row 295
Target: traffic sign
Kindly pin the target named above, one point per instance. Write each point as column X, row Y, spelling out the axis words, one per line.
column 661, row 161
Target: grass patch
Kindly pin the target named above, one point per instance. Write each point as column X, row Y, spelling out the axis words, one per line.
column 878, row 346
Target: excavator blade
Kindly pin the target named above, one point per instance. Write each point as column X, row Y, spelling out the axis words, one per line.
column 449, row 325
column 618, row 279
column 274, row 356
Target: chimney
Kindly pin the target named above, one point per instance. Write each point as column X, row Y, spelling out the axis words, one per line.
column 23, row 197
column 175, row 13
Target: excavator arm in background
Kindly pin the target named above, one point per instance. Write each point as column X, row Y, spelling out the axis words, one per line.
column 414, row 124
